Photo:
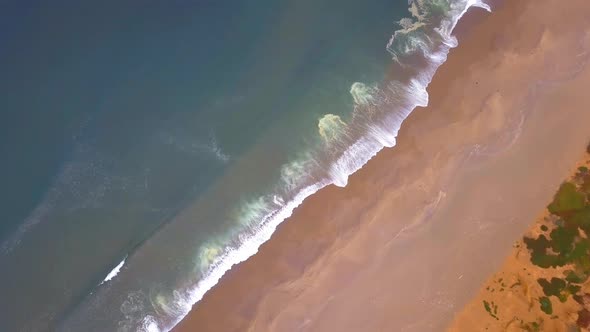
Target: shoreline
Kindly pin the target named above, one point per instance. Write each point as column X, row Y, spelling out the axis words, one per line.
column 337, row 227
column 365, row 148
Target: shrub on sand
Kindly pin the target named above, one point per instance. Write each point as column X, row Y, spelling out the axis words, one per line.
column 567, row 200
column 546, row 306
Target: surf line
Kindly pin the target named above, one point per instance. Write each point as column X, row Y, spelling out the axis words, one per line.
column 115, row 271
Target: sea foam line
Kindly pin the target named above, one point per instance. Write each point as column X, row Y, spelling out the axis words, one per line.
column 115, row 271
column 245, row 250
column 251, row 244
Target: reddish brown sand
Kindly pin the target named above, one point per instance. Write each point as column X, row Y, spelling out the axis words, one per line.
column 514, row 293
column 415, row 233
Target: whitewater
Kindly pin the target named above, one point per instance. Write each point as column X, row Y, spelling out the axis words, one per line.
column 156, row 284
column 357, row 154
column 114, row 272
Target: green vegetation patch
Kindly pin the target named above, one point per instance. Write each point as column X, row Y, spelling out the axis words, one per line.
column 574, row 277
column 538, row 245
column 562, row 240
column 565, row 242
column 567, row 200
column 553, row 287
column 491, row 308
column 580, row 256
column 539, row 255
column 531, row 327
column 558, row 287
column 546, row 306
column 585, row 187
column 580, row 218
column 568, row 245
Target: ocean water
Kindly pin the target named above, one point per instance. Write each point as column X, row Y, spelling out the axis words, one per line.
column 147, row 149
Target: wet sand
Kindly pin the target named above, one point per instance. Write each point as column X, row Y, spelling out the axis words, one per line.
column 417, row 230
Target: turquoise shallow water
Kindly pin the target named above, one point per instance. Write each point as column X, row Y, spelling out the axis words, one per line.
column 156, row 146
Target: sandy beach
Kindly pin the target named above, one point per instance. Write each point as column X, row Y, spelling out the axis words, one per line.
column 411, row 238
column 510, row 300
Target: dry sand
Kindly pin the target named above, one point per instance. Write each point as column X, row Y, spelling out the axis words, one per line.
column 415, row 233
column 514, row 293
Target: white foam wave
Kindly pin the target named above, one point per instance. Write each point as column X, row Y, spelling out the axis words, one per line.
column 149, row 324
column 378, row 135
column 292, row 174
column 114, row 272
column 236, row 255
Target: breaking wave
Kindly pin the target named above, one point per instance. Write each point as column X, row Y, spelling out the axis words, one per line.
column 114, row 272
column 347, row 143
column 379, row 110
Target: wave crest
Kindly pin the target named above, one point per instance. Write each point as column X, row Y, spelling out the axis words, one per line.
column 377, row 115
column 351, row 144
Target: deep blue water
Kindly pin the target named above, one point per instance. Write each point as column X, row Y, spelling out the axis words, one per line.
column 164, row 132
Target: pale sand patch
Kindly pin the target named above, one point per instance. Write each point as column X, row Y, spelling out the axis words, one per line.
column 414, row 234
